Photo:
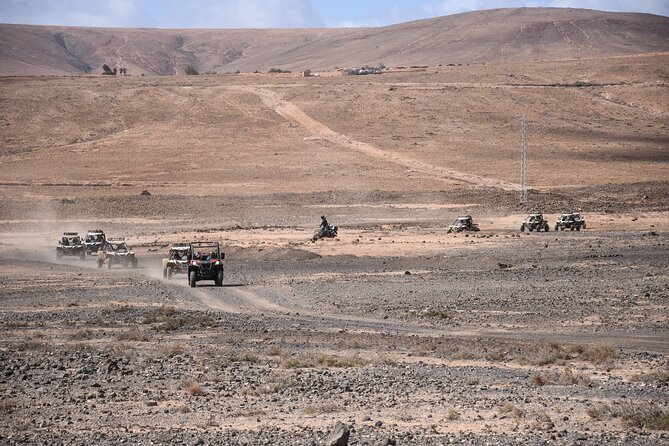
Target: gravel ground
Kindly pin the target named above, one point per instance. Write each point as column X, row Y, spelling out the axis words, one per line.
column 541, row 338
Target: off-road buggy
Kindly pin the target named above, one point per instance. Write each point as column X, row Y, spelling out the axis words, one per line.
column 570, row 221
column 330, row 232
column 176, row 262
column 116, row 250
column 70, row 244
column 463, row 223
column 95, row 239
column 205, row 262
column 535, row 222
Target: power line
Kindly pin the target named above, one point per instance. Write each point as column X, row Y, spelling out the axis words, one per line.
column 523, row 161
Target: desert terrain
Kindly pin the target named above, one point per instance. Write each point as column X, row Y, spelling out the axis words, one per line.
column 404, row 333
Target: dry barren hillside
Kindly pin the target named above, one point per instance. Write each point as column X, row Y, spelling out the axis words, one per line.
column 503, row 34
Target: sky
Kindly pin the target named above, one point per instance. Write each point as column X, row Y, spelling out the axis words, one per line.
column 274, row 13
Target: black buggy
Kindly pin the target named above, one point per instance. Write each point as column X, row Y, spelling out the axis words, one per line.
column 205, row 262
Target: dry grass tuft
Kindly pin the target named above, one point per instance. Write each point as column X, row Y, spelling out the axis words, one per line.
column 546, row 353
column 7, row 406
column 564, row 378
column 634, row 415
column 82, row 333
column 659, row 376
column 169, row 319
column 182, row 408
column 511, row 410
column 321, row 361
column 318, row 409
column 452, row 415
column 173, row 350
column 193, row 387
column 133, row 335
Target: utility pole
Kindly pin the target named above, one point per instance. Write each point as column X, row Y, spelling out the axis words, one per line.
column 523, row 161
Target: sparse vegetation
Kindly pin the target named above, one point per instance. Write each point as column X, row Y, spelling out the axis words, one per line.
column 107, row 71
column 193, row 387
column 566, row 377
column 321, row 361
column 133, row 335
column 169, row 319
column 659, row 376
column 277, row 70
column 190, row 70
column 452, row 415
column 318, row 409
column 512, row 410
column 7, row 405
column 635, row 415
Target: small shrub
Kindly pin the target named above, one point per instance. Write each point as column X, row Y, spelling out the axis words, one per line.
column 511, row 410
column 83, row 333
column 452, row 415
column 660, row 376
column 174, row 349
column 598, row 354
column 435, row 314
column 193, row 387
column 182, row 408
column 317, row 409
column 322, row 361
column 634, row 415
column 243, row 356
column 647, row 416
column 132, row 335
column 191, row 70
column 108, row 71
column 7, row 406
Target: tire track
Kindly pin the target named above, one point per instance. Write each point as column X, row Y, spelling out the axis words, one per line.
column 293, row 113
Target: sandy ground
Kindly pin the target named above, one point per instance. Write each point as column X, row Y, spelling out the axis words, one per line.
column 396, row 328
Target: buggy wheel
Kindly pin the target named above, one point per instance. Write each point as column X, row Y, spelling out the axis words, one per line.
column 556, row 226
column 219, row 278
column 192, row 279
column 109, row 264
column 522, row 227
column 572, row 228
column 583, row 225
column 578, row 228
column 168, row 273
column 530, row 228
column 546, row 227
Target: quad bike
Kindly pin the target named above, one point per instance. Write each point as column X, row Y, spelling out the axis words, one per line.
column 330, row 232
column 71, row 245
column 205, row 262
column 463, row 223
column 534, row 222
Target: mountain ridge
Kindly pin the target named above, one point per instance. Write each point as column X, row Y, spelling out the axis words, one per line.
column 473, row 37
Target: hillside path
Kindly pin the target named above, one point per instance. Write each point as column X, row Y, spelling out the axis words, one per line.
column 293, row 113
